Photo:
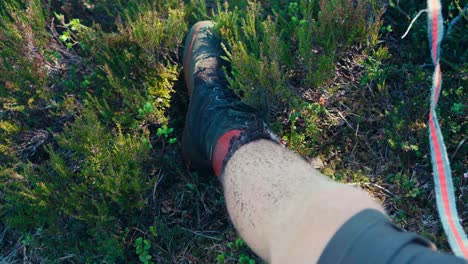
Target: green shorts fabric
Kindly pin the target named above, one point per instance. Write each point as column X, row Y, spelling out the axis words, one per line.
column 370, row 237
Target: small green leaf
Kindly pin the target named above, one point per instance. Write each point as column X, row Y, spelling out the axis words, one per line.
column 85, row 83
column 74, row 24
column 231, row 245
column 240, row 243
column 153, row 231
column 143, row 259
column 60, row 17
column 221, row 258
column 147, row 245
column 160, row 132
column 244, row 259
column 148, row 107
column 457, row 108
column 65, row 36
column 191, row 186
column 139, row 241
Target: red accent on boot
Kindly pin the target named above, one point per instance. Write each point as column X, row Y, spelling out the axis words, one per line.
column 221, row 150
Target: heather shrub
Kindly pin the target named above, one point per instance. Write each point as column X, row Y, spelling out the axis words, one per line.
column 137, row 65
column 22, row 75
column 255, row 52
column 76, row 183
column 306, row 37
column 94, row 185
column 325, row 30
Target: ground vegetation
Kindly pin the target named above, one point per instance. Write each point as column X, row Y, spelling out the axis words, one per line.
column 93, row 101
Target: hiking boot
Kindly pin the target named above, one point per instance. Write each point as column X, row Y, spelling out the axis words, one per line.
column 217, row 122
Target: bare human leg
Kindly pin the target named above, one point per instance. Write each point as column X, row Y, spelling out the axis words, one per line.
column 284, row 209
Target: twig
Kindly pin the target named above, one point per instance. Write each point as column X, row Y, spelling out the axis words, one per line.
column 381, row 188
column 456, row 19
column 458, row 147
column 346, row 121
column 412, row 22
column 156, row 184
column 68, row 256
column 401, row 11
column 370, row 184
column 198, row 233
column 139, row 230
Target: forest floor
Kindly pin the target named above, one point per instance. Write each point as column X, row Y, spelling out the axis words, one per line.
column 93, row 102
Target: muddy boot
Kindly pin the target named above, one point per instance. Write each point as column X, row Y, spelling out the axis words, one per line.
column 217, row 122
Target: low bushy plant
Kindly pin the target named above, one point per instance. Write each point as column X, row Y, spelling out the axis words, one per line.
column 92, row 187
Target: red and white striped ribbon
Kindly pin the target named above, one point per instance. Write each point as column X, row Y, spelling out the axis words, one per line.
column 444, row 189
